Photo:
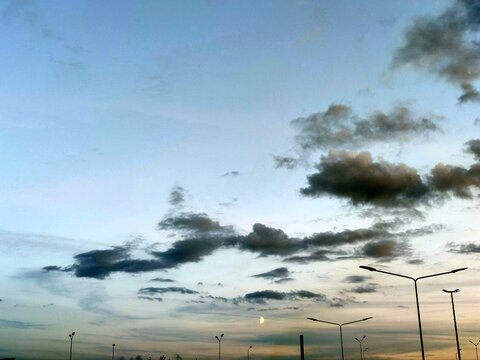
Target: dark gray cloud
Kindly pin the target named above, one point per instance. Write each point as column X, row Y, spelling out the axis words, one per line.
column 280, row 272
column 284, row 280
column 364, row 289
column 203, row 236
column 150, row 291
column 163, row 280
column 286, row 162
column 468, row 248
column 150, row 298
column 385, row 249
column 361, row 180
column 355, row 176
column 318, row 255
column 473, row 147
column 192, row 222
column 339, row 125
column 265, row 241
column 456, row 180
column 356, row 279
column 445, row 46
column 261, row 297
column 177, row 197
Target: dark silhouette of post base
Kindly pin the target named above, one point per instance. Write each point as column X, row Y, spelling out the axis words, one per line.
column 302, row 353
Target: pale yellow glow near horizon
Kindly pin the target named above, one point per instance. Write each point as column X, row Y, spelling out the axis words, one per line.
column 261, row 320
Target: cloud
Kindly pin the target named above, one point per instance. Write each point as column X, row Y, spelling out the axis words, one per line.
column 192, row 222
column 385, row 249
column 280, row 272
column 25, row 11
column 356, row 279
column 177, row 197
column 357, row 177
column 162, row 290
column 283, row 280
column 150, row 298
column 473, row 147
column 261, row 297
column 11, row 324
column 265, row 241
column 364, row 289
column 233, row 173
column 286, row 162
column 341, row 126
column 163, row 280
column 202, row 236
column 444, row 46
column 361, row 180
column 455, row 179
column 468, row 248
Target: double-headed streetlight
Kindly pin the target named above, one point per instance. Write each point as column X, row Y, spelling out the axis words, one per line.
column 248, row 352
column 360, row 343
column 219, row 342
column 71, row 343
column 416, row 293
column 340, row 326
column 476, row 346
column 454, row 319
column 113, row 351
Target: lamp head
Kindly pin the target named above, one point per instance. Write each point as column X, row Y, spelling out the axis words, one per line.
column 73, row 333
column 250, row 346
column 313, row 319
column 369, row 268
column 216, row 337
column 457, row 270
column 368, row 318
column 221, row 335
column 363, row 337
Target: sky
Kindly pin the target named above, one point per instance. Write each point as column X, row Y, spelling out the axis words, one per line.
column 175, row 170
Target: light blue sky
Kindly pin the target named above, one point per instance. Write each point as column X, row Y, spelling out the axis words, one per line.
column 105, row 107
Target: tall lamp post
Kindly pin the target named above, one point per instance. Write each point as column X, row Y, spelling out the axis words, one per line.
column 113, row 351
column 369, row 268
column 219, row 342
column 476, row 346
column 360, row 343
column 454, row 319
column 71, row 343
column 340, row 326
column 364, row 351
column 248, row 352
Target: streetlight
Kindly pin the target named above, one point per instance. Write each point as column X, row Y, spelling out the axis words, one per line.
column 113, row 351
column 219, row 341
column 340, row 326
column 248, row 352
column 454, row 319
column 369, row 268
column 71, row 343
column 476, row 345
column 364, row 350
column 360, row 343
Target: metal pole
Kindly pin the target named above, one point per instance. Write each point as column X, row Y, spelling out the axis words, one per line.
column 71, row 345
column 419, row 320
column 302, row 353
column 113, row 351
column 341, row 341
column 219, row 341
column 456, row 331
